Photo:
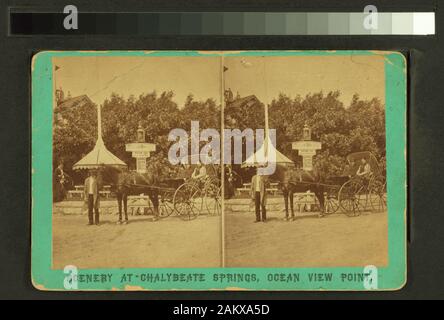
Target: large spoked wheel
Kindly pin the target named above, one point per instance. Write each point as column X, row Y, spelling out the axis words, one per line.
column 331, row 204
column 187, row 201
column 378, row 196
column 166, row 206
column 352, row 198
column 213, row 200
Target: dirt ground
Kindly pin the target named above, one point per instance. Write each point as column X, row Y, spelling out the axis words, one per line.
column 332, row 241
column 167, row 243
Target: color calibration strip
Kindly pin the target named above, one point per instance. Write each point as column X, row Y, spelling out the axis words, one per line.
column 225, row 23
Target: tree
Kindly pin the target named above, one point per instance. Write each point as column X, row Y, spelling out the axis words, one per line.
column 75, row 129
column 341, row 129
column 74, row 134
column 360, row 126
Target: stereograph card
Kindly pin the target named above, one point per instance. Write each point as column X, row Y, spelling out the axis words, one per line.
column 218, row 170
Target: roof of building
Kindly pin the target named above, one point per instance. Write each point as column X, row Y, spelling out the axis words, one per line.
column 99, row 156
column 241, row 102
column 262, row 158
column 73, row 102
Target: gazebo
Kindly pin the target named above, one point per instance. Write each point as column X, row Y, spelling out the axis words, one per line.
column 100, row 156
column 267, row 153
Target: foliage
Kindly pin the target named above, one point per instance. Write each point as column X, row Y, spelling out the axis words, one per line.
column 342, row 130
column 359, row 126
column 75, row 129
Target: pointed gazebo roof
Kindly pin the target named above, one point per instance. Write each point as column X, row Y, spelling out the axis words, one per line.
column 263, row 156
column 267, row 152
column 99, row 156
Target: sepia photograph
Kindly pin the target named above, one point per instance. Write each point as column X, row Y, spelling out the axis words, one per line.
column 201, row 152
column 315, row 125
column 323, row 202
column 118, row 202
column 278, row 170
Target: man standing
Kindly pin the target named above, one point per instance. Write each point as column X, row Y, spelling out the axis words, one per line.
column 92, row 197
column 60, row 179
column 259, row 196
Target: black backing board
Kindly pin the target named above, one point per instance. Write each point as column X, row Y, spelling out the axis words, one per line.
column 425, row 153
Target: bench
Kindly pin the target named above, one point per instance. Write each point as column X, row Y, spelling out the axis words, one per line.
column 78, row 192
column 272, row 189
column 246, row 187
column 73, row 194
column 139, row 204
column 105, row 193
column 305, row 201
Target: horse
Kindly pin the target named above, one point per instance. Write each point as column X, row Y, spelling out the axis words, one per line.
column 293, row 180
column 155, row 182
column 124, row 183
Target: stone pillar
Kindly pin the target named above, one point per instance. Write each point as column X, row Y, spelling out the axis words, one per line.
column 306, row 148
column 140, row 150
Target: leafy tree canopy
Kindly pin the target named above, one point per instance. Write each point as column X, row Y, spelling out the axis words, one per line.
column 342, row 129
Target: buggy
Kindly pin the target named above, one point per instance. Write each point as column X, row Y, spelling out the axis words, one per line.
column 353, row 193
